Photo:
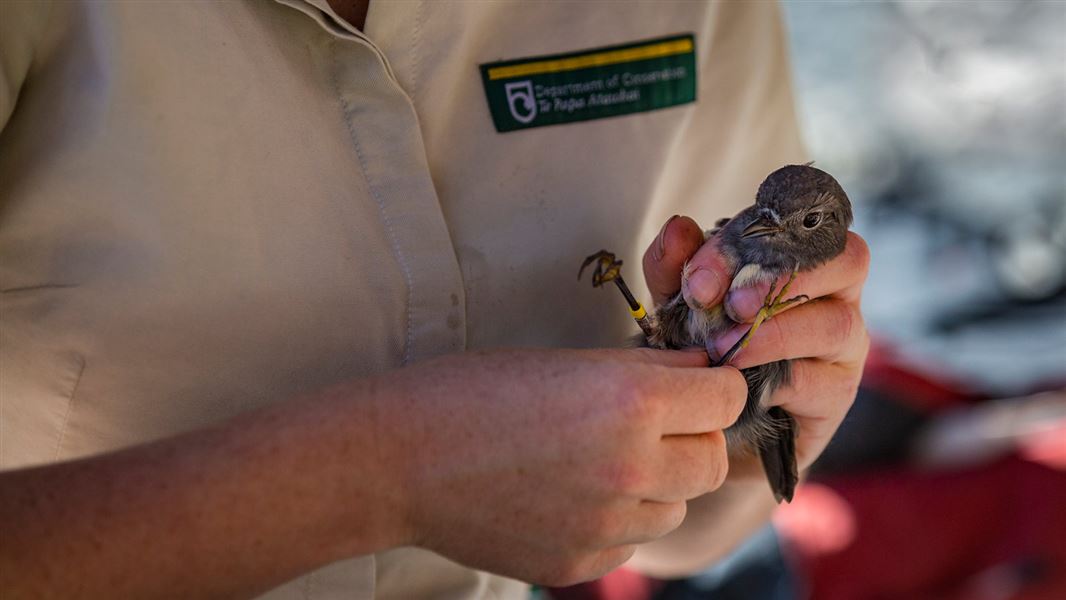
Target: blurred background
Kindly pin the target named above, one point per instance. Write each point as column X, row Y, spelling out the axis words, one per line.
column 946, row 121
column 946, row 124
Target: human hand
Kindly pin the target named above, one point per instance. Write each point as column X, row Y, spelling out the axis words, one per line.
column 826, row 338
column 550, row 466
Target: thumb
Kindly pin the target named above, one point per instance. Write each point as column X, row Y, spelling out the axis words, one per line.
column 677, row 241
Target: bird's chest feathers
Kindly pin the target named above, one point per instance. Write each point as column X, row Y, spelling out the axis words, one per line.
column 705, row 323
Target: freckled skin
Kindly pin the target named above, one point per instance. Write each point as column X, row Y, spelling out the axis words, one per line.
column 799, row 221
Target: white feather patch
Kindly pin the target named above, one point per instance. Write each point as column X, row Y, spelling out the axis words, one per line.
column 749, row 275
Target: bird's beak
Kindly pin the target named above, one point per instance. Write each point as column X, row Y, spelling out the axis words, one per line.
column 759, row 228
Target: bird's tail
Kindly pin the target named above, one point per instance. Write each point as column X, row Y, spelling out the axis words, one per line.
column 778, row 455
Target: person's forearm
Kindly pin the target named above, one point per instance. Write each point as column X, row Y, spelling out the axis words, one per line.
column 715, row 524
column 230, row 511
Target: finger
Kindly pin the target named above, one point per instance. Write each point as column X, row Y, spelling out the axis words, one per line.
column 696, row 401
column 687, row 466
column 577, row 568
column 706, row 276
column 604, row 562
column 818, row 397
column 819, row 391
column 841, row 278
column 677, row 241
column 650, row 520
column 831, row 330
column 628, row 358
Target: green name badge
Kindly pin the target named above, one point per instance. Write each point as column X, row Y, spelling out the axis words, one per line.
column 591, row 84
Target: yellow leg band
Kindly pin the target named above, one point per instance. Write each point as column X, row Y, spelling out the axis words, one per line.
column 639, row 313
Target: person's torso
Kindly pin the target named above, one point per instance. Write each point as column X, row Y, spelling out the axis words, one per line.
column 206, row 208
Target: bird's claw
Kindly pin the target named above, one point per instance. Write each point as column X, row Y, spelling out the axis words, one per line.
column 607, row 268
column 773, row 306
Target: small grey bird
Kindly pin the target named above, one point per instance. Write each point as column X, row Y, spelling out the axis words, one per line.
column 799, row 221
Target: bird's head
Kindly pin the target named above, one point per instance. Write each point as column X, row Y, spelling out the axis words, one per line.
column 801, row 216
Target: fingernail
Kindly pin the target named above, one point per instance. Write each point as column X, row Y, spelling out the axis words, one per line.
column 702, row 287
column 743, row 304
column 723, row 343
column 659, row 250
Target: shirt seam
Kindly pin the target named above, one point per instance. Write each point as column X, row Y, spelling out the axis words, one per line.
column 390, row 229
column 416, row 47
column 70, row 408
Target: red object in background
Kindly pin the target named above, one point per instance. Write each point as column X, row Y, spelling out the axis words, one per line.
column 620, row 584
column 888, row 372
column 989, row 533
column 998, row 531
column 1046, row 447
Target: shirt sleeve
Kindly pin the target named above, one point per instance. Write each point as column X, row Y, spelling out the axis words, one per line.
column 22, row 25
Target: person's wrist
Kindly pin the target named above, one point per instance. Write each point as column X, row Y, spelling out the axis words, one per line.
column 375, row 464
column 397, row 434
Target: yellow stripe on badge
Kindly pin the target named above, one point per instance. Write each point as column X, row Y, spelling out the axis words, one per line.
column 595, row 59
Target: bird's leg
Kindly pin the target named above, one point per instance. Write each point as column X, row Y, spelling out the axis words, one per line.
column 610, row 269
column 772, row 306
column 778, row 305
column 607, row 268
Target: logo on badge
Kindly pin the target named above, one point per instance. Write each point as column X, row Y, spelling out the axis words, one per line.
column 521, row 93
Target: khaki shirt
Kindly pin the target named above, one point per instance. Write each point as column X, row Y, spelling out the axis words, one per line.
column 208, row 207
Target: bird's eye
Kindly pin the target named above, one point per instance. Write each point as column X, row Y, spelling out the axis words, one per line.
column 812, row 220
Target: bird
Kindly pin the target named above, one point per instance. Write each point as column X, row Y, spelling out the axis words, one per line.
column 799, row 221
